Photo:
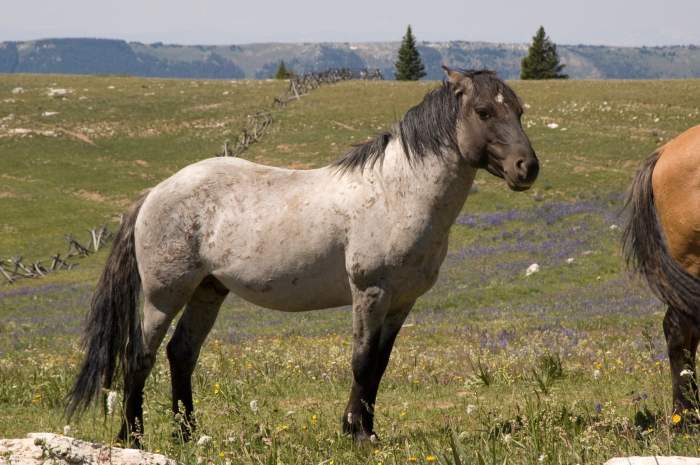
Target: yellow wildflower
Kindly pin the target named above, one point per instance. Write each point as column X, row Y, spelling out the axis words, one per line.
column 675, row 419
column 222, row 454
column 430, row 458
column 413, row 458
column 217, row 388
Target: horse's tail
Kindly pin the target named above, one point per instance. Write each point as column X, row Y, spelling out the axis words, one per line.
column 112, row 336
column 645, row 249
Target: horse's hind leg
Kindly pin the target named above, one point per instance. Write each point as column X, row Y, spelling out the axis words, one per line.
column 183, row 349
column 156, row 320
column 682, row 337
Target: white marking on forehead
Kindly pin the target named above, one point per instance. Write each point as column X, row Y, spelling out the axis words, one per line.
column 499, row 98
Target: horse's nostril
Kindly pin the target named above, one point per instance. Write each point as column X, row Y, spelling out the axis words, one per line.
column 521, row 168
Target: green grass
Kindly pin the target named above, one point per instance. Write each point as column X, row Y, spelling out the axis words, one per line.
column 564, row 366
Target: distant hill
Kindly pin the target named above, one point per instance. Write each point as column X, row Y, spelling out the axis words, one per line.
column 105, row 56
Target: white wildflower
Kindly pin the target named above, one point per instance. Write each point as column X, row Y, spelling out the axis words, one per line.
column 613, row 227
column 532, row 269
column 596, row 374
column 111, row 402
column 570, row 260
column 204, row 440
column 552, row 125
column 67, row 430
column 541, row 458
column 49, row 113
column 687, row 372
column 470, row 409
column 254, row 405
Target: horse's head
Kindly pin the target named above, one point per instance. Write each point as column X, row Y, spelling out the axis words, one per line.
column 489, row 132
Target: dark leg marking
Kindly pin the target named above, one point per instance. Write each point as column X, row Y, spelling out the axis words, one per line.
column 373, row 341
column 183, row 349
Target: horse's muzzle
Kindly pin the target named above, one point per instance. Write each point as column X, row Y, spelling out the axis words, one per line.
column 523, row 172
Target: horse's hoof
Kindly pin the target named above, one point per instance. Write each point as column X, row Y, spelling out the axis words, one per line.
column 132, row 440
column 352, row 426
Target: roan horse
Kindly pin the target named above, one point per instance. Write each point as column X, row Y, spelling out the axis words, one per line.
column 661, row 241
column 369, row 230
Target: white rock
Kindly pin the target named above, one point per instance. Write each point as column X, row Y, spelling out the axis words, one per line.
column 18, row 90
column 532, row 269
column 42, row 448
column 656, row 460
column 58, row 92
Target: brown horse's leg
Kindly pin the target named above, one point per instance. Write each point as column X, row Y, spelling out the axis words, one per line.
column 155, row 324
column 682, row 336
column 183, row 349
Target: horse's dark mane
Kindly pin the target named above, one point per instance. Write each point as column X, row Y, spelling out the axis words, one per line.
column 429, row 128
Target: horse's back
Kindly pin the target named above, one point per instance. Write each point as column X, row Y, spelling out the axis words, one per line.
column 676, row 187
column 266, row 233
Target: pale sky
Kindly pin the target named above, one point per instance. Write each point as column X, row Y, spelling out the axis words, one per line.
column 600, row 22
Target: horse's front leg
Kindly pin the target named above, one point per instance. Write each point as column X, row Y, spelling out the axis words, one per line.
column 375, row 327
column 369, row 309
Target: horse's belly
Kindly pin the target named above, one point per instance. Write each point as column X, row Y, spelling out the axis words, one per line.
column 290, row 291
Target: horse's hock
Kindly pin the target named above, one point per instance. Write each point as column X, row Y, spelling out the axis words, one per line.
column 54, row 449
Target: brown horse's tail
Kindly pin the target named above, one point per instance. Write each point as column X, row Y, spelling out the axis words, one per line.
column 645, row 250
column 112, row 336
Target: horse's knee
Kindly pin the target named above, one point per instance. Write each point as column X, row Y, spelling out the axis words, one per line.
column 180, row 352
column 682, row 333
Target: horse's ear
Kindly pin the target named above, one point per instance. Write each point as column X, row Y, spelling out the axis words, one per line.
column 461, row 81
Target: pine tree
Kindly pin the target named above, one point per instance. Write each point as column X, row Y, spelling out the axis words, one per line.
column 409, row 66
column 282, row 72
column 542, row 61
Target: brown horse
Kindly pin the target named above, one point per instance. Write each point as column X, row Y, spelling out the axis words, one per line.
column 662, row 242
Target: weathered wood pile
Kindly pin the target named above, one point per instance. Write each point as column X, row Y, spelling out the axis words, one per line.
column 258, row 123
column 15, row 268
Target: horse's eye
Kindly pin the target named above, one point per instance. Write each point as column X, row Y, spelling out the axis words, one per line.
column 483, row 114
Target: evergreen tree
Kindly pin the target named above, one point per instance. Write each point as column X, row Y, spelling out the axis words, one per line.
column 282, row 71
column 409, row 66
column 542, row 61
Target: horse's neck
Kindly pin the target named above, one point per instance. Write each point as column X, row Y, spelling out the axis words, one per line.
column 434, row 188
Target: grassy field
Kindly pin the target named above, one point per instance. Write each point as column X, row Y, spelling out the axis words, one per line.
column 564, row 366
